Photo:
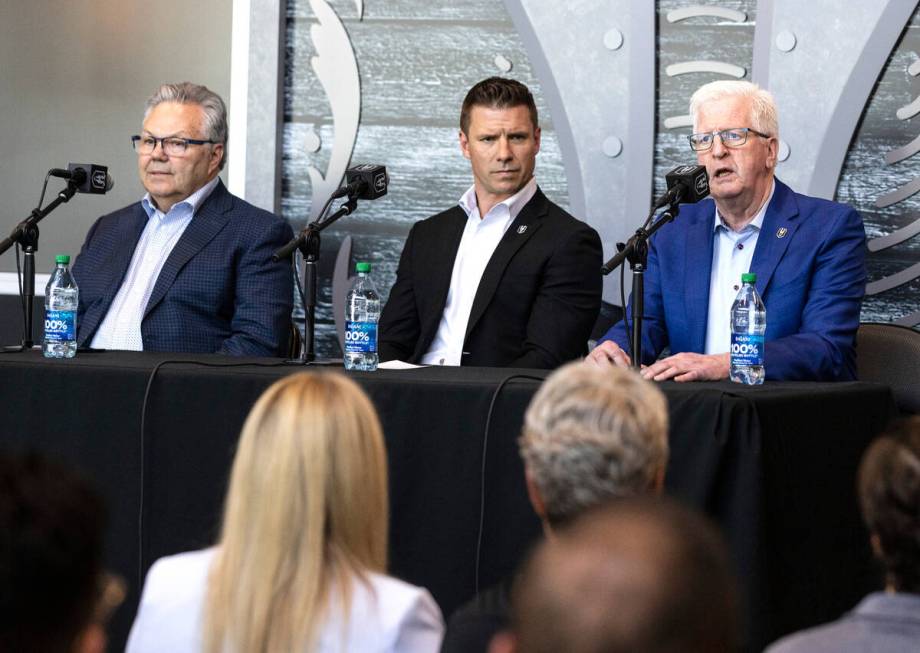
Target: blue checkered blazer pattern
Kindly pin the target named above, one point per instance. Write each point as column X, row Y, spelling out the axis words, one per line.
column 218, row 291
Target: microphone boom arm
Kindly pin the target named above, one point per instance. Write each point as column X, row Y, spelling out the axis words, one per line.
column 26, row 234
column 636, row 252
column 37, row 215
column 308, row 242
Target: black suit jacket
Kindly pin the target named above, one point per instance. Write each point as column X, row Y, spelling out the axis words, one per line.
column 536, row 303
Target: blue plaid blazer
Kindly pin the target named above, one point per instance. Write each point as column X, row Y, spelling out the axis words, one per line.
column 218, row 291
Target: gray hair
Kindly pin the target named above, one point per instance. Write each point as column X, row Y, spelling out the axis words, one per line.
column 593, row 434
column 215, row 111
column 763, row 105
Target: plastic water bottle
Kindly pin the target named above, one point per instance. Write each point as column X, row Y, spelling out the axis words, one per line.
column 61, row 297
column 362, row 310
column 749, row 321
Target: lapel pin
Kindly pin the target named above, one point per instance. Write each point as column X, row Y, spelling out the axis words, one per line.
column 781, row 232
column 522, row 228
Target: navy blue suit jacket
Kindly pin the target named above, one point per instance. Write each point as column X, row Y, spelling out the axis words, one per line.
column 810, row 266
column 218, row 291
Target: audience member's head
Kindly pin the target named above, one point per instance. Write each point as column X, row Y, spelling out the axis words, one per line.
column 51, row 534
column 306, row 509
column 889, row 491
column 590, row 435
column 639, row 575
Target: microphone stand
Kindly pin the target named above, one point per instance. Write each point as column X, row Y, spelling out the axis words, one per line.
column 635, row 251
column 308, row 242
column 26, row 234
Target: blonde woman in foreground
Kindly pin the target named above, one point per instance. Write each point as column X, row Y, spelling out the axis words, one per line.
column 299, row 565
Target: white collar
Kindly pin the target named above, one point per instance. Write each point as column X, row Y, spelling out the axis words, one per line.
column 194, row 201
column 514, row 203
column 757, row 222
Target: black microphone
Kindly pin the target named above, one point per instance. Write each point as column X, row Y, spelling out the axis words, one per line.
column 367, row 181
column 686, row 185
column 86, row 177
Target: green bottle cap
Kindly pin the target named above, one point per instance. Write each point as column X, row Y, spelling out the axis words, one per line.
column 748, row 277
column 363, row 267
column 62, row 258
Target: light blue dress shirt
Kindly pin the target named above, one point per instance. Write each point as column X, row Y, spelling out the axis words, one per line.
column 881, row 623
column 732, row 253
column 121, row 326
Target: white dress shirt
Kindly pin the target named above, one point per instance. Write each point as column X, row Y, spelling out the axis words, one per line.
column 481, row 236
column 386, row 614
column 732, row 254
column 121, row 326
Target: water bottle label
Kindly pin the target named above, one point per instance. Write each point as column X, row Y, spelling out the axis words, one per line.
column 747, row 349
column 360, row 337
column 60, row 326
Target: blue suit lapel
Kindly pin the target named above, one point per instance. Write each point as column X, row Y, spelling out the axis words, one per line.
column 778, row 228
column 697, row 273
column 128, row 232
column 208, row 221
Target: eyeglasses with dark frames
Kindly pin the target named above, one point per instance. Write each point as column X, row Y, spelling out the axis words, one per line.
column 172, row 145
column 735, row 137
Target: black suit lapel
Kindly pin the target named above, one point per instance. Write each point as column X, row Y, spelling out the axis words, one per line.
column 208, row 221
column 524, row 226
column 438, row 269
column 444, row 252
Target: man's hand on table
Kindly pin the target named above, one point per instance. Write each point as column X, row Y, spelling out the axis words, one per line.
column 687, row 366
column 608, row 354
column 679, row 367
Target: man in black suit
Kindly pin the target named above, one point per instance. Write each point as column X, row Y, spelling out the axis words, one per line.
column 507, row 278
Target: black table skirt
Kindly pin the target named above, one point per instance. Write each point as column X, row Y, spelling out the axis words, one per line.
column 774, row 465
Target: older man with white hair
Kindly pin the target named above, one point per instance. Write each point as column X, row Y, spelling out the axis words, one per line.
column 808, row 255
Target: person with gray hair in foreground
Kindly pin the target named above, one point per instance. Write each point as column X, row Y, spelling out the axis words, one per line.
column 188, row 268
column 590, row 435
column 638, row 575
column 889, row 495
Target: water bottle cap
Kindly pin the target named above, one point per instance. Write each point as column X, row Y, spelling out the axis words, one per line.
column 363, row 267
column 748, row 277
column 62, row 258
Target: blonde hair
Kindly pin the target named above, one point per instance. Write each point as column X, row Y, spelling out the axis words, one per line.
column 592, row 434
column 763, row 107
column 306, row 510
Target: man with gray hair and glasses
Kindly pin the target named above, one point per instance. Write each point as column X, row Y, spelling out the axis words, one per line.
column 807, row 253
column 188, row 268
column 590, row 435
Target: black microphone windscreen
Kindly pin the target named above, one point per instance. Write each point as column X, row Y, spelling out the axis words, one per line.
column 691, row 182
column 370, row 179
column 91, row 178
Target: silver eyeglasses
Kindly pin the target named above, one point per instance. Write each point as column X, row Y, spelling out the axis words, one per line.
column 172, row 145
column 735, row 137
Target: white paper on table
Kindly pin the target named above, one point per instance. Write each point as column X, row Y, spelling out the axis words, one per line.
column 398, row 365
